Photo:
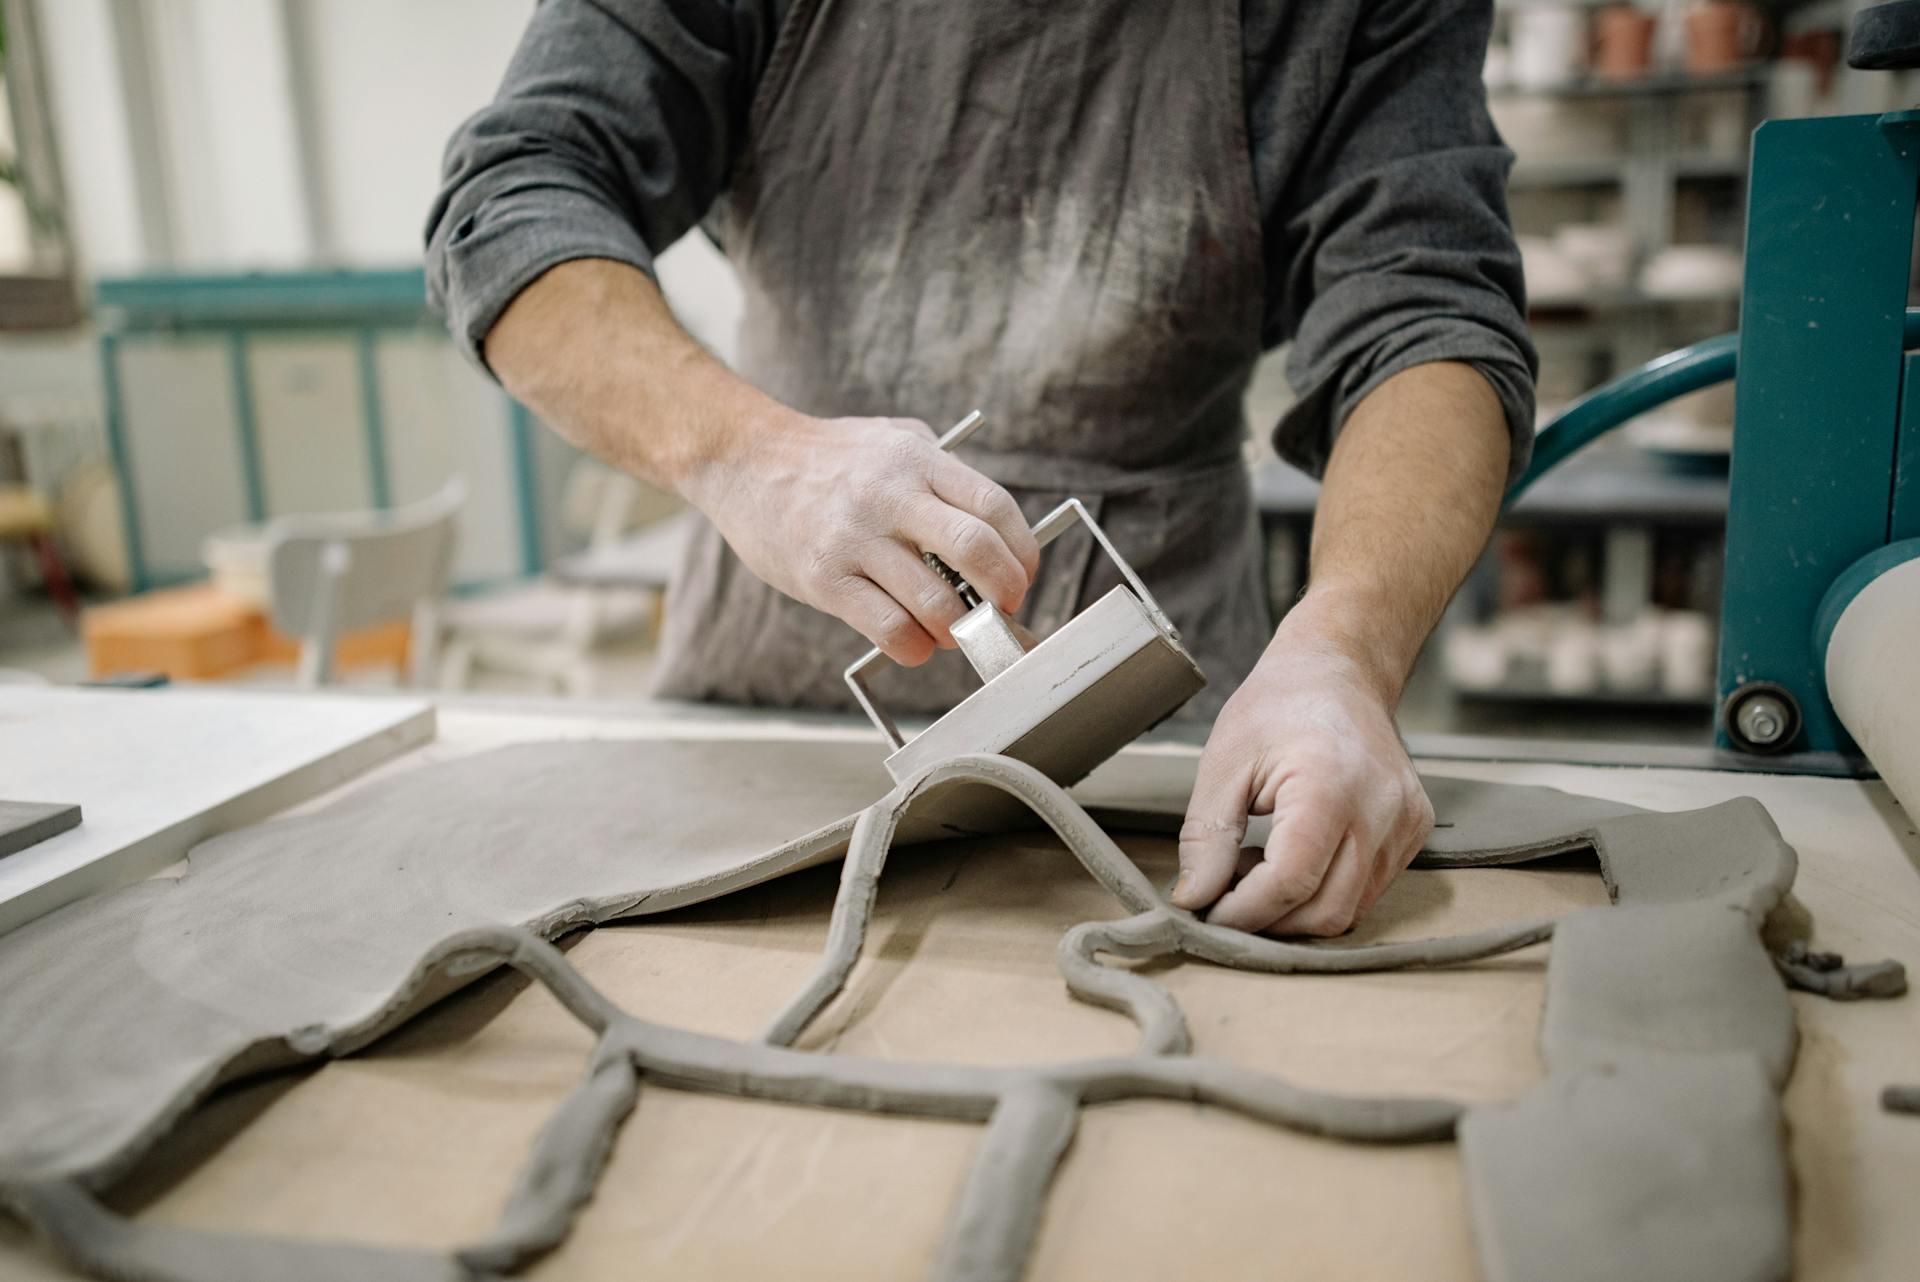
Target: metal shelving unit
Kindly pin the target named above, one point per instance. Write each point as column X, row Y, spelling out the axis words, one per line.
column 1672, row 135
column 1658, row 157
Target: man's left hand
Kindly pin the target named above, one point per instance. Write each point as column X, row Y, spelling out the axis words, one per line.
column 1309, row 739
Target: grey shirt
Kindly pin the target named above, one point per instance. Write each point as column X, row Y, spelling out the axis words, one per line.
column 1380, row 179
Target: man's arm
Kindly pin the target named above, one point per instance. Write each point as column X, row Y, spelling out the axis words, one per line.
column 612, row 134
column 1411, row 493
column 1393, row 270
column 833, row 512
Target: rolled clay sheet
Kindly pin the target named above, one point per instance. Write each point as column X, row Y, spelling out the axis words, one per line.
column 282, row 937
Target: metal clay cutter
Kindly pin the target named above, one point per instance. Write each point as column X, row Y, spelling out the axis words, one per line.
column 1062, row 704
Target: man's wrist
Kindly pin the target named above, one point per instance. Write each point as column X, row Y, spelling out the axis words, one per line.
column 736, row 424
column 1357, row 630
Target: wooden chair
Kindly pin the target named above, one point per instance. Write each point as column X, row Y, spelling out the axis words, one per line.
column 328, row 575
column 547, row 629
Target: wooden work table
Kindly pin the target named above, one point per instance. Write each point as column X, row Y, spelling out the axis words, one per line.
column 416, row 1140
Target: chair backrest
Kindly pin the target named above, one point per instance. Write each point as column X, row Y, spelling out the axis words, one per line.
column 331, row 574
column 603, row 505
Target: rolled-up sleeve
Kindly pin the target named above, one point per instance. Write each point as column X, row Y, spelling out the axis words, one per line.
column 1394, row 245
column 611, row 135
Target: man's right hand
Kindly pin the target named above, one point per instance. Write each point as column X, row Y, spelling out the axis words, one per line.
column 836, row 513
column 833, row 512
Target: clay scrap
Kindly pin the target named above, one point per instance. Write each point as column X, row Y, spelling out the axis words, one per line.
column 1653, row 1148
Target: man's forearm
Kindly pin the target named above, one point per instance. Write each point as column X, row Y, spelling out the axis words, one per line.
column 835, row 513
column 1410, row 495
column 592, row 347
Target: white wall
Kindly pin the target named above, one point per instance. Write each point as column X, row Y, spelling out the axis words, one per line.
column 230, row 149
column 393, row 78
column 390, row 79
column 253, row 170
column 91, row 125
column 214, row 135
column 16, row 240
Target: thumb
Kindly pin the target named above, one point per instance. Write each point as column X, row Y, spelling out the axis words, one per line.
column 1214, row 830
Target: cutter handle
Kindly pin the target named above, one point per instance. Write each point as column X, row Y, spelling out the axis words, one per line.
column 1050, row 527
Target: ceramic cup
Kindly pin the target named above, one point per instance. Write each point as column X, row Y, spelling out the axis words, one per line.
column 1622, row 42
column 1602, row 252
column 1476, row 658
column 1819, row 51
column 1692, row 271
column 1548, row 45
column 1630, row 656
column 1573, row 659
column 1686, row 654
column 1722, row 34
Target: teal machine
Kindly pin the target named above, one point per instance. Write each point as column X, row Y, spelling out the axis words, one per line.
column 1825, row 486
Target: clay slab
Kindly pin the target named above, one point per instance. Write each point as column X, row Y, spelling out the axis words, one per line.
column 1747, row 887
column 28, row 823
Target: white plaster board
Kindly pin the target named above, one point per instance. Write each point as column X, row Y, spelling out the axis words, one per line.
column 155, row 771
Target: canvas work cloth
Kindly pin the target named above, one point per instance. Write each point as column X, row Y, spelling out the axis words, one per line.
column 1046, row 212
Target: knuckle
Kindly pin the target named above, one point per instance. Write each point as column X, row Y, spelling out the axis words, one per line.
column 932, row 598
column 837, row 594
column 1294, row 887
column 987, row 560
column 823, row 571
column 873, row 502
column 1423, row 812
column 1322, row 924
column 990, row 500
column 1202, row 832
column 1309, row 828
column 1324, row 791
column 970, row 540
column 891, row 628
column 902, row 450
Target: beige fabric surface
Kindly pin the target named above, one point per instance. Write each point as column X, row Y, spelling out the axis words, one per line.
column 416, row 1140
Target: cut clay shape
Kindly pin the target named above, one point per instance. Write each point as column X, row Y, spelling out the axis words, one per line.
column 1667, row 1168
column 314, row 935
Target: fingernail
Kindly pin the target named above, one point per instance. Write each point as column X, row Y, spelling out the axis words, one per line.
column 1180, row 885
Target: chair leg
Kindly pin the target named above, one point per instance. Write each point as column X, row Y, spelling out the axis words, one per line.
column 578, row 679
column 656, row 617
column 316, row 662
column 59, row 584
column 423, row 646
column 456, row 665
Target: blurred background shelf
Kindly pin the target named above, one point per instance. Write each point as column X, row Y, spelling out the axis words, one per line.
column 245, row 336
column 1539, row 692
column 1600, row 486
column 1653, row 85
